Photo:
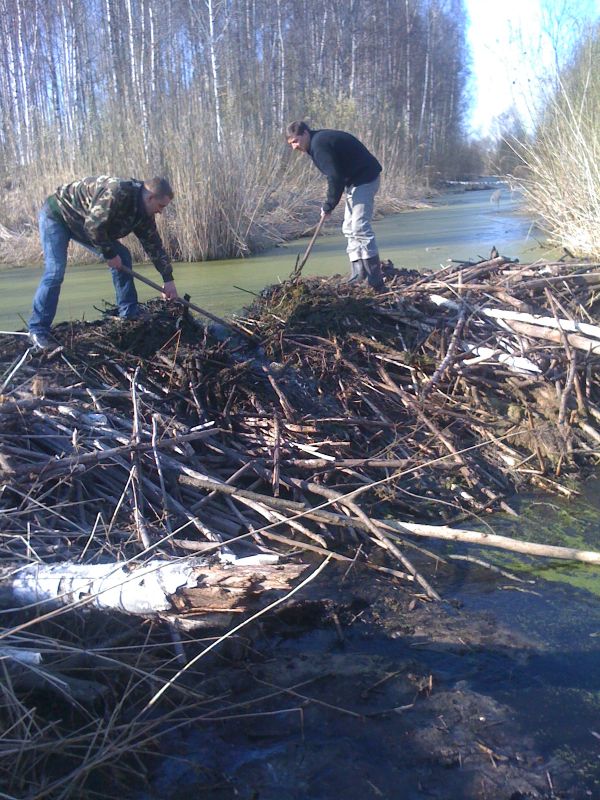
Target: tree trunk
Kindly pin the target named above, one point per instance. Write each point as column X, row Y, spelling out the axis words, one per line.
column 157, row 587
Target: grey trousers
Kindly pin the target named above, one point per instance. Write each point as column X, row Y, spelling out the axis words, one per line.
column 360, row 204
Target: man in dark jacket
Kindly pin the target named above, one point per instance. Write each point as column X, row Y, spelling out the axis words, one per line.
column 96, row 212
column 350, row 168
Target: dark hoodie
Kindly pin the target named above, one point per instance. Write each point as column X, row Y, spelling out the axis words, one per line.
column 344, row 160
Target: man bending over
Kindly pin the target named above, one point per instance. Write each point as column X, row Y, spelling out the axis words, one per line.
column 96, row 212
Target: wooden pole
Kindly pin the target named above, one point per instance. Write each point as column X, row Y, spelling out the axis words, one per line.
column 187, row 303
column 300, row 265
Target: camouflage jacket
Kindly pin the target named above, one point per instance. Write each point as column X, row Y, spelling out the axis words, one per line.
column 99, row 210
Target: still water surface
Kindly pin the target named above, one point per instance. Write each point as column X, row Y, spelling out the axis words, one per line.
column 461, row 226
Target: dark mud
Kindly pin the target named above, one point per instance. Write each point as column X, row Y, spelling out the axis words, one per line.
column 361, row 691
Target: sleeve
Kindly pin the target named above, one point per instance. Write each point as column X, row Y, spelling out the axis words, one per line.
column 152, row 243
column 335, row 188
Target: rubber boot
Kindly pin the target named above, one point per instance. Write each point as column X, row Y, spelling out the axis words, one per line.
column 372, row 270
column 357, row 271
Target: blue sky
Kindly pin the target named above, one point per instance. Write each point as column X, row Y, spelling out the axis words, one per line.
column 514, row 46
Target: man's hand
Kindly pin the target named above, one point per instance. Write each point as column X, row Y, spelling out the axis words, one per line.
column 170, row 291
column 115, row 262
column 325, row 214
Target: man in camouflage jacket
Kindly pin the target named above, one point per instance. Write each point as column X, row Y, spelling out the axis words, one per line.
column 96, row 212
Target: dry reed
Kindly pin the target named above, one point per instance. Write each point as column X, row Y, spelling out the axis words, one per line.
column 232, row 198
column 562, row 185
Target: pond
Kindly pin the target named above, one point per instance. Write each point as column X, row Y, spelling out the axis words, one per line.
column 464, row 225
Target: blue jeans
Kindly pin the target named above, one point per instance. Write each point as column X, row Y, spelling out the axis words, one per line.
column 55, row 238
column 360, row 204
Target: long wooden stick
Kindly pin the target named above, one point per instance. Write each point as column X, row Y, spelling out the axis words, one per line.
column 187, row 303
column 493, row 540
column 300, row 265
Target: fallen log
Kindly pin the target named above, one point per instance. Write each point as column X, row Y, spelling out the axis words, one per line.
column 153, row 588
column 570, row 325
column 555, row 336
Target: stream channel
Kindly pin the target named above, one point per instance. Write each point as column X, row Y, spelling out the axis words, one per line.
column 494, row 693
column 462, row 225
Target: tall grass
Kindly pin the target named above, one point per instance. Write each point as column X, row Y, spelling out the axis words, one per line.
column 232, row 198
column 562, row 184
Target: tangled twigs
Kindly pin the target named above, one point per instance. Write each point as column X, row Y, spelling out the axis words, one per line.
column 362, row 424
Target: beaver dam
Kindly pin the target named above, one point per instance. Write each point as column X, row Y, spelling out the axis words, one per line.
column 173, row 492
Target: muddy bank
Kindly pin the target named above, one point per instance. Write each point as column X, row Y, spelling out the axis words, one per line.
column 367, row 693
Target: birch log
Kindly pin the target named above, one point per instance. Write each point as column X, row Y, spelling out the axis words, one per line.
column 573, row 326
column 552, row 335
column 154, row 588
column 508, row 315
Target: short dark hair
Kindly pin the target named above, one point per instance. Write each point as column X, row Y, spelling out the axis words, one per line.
column 297, row 128
column 160, row 187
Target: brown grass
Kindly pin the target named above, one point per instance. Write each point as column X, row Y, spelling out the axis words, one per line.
column 231, row 199
column 562, row 185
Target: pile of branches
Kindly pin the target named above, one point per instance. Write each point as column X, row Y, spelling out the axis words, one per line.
column 191, row 475
column 471, row 382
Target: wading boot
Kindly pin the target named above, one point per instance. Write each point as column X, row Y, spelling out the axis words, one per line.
column 39, row 340
column 357, row 272
column 372, row 270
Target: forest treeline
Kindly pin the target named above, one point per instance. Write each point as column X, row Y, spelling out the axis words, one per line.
column 201, row 91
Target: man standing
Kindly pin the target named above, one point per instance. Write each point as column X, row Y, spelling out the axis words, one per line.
column 96, row 212
column 350, row 168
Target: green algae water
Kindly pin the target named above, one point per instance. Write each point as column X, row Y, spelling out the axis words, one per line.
column 555, row 520
column 462, row 226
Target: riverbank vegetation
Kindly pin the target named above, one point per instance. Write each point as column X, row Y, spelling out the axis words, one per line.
column 562, row 183
column 202, row 92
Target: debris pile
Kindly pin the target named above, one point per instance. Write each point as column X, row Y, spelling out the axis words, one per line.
column 192, row 475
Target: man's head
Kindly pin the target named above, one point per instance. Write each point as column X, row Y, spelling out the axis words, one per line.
column 157, row 194
column 298, row 136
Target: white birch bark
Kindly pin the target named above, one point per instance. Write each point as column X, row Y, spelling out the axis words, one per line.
column 152, row 49
column 408, row 75
column 142, row 589
column 354, row 10
column 320, row 66
column 214, row 67
column 426, row 79
column 69, row 79
column 11, row 77
column 111, row 48
column 281, row 66
column 22, row 81
column 549, row 322
column 131, row 43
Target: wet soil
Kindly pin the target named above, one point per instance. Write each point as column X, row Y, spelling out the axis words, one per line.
column 361, row 690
